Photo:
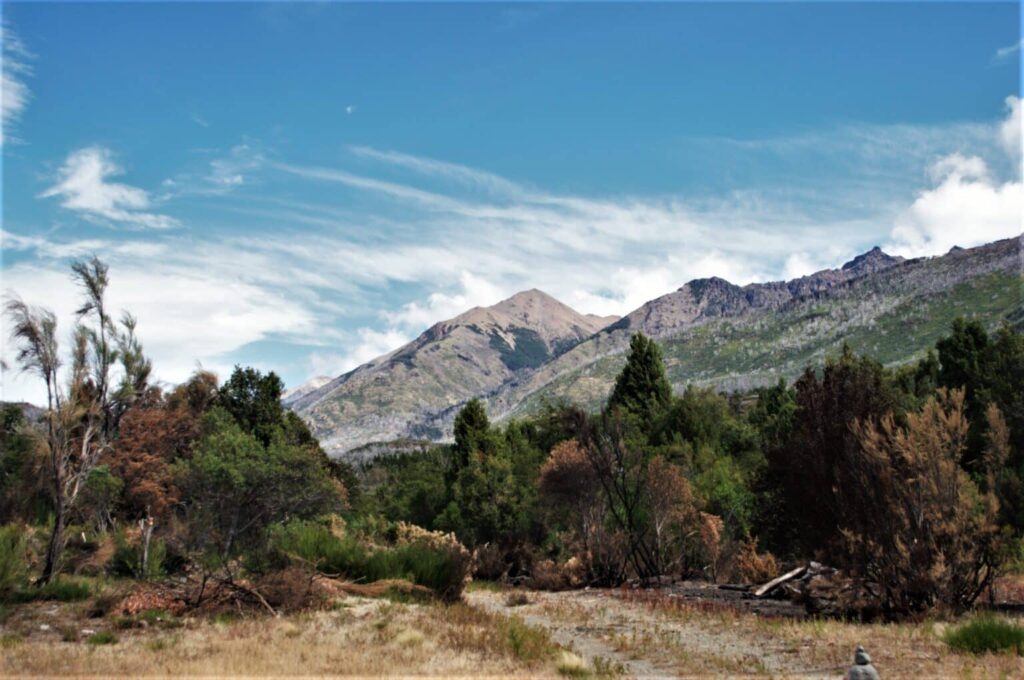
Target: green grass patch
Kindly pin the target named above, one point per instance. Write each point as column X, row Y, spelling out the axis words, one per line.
column 527, row 643
column 224, row 618
column 159, row 618
column 104, row 637
column 986, row 634
column 488, row 586
column 59, row 590
column 10, row 640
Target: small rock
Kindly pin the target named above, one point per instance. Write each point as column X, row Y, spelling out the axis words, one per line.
column 44, row 626
column 862, row 668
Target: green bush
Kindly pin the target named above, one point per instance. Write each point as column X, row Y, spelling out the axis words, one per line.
column 431, row 566
column 986, row 634
column 525, row 642
column 421, row 564
column 13, row 563
column 314, row 544
column 60, row 590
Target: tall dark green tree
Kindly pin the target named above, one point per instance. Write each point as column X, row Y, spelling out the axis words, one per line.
column 471, row 431
column 990, row 369
column 642, row 388
column 254, row 401
column 808, row 477
column 962, row 358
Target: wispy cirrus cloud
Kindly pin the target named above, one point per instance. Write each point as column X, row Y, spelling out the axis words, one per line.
column 15, row 68
column 408, row 241
column 84, row 186
column 471, row 177
column 1005, row 54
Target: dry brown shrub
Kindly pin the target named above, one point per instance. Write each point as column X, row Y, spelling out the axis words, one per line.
column 517, row 599
column 551, row 575
column 917, row 530
column 752, row 567
column 672, row 514
column 376, row 589
column 96, row 560
column 149, row 596
column 489, row 562
column 711, row 543
column 291, row 589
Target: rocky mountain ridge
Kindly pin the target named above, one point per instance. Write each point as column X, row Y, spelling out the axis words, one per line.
column 532, row 349
column 449, row 363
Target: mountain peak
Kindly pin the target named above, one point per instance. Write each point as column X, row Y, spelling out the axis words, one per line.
column 526, row 297
column 871, row 261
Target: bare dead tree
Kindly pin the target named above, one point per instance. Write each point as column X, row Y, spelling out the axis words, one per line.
column 82, row 421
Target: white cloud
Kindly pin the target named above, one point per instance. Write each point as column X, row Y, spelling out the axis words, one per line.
column 187, row 312
column 474, row 238
column 231, row 171
column 1010, row 130
column 83, row 186
column 1005, row 53
column 14, row 68
column 475, row 292
column 452, row 171
column 367, row 345
column 966, row 208
column 797, row 265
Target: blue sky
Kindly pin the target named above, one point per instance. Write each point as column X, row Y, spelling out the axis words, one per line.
column 305, row 187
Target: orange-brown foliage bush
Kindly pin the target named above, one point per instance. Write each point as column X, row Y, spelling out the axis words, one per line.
column 753, row 567
column 917, row 530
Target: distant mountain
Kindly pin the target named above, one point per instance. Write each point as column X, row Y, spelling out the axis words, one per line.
column 401, row 395
column 313, row 384
column 531, row 349
column 714, row 332
column 30, row 412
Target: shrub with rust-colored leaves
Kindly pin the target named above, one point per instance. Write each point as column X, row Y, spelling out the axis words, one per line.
column 918, row 532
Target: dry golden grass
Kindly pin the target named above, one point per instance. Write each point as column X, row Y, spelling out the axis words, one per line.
column 601, row 633
column 360, row 637
column 702, row 641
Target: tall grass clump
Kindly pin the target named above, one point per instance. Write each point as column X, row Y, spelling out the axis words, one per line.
column 58, row 590
column 128, row 558
column 986, row 634
column 13, row 561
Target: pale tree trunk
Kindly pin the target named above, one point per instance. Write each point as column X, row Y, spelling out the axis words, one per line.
column 146, row 525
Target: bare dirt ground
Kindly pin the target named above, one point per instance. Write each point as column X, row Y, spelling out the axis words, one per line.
column 666, row 636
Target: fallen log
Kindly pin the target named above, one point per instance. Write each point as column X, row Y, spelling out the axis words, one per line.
column 776, row 582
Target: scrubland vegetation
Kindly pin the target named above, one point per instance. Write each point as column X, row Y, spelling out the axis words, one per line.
column 151, row 514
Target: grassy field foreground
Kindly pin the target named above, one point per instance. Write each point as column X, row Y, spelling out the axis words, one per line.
column 359, row 636
column 494, row 632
